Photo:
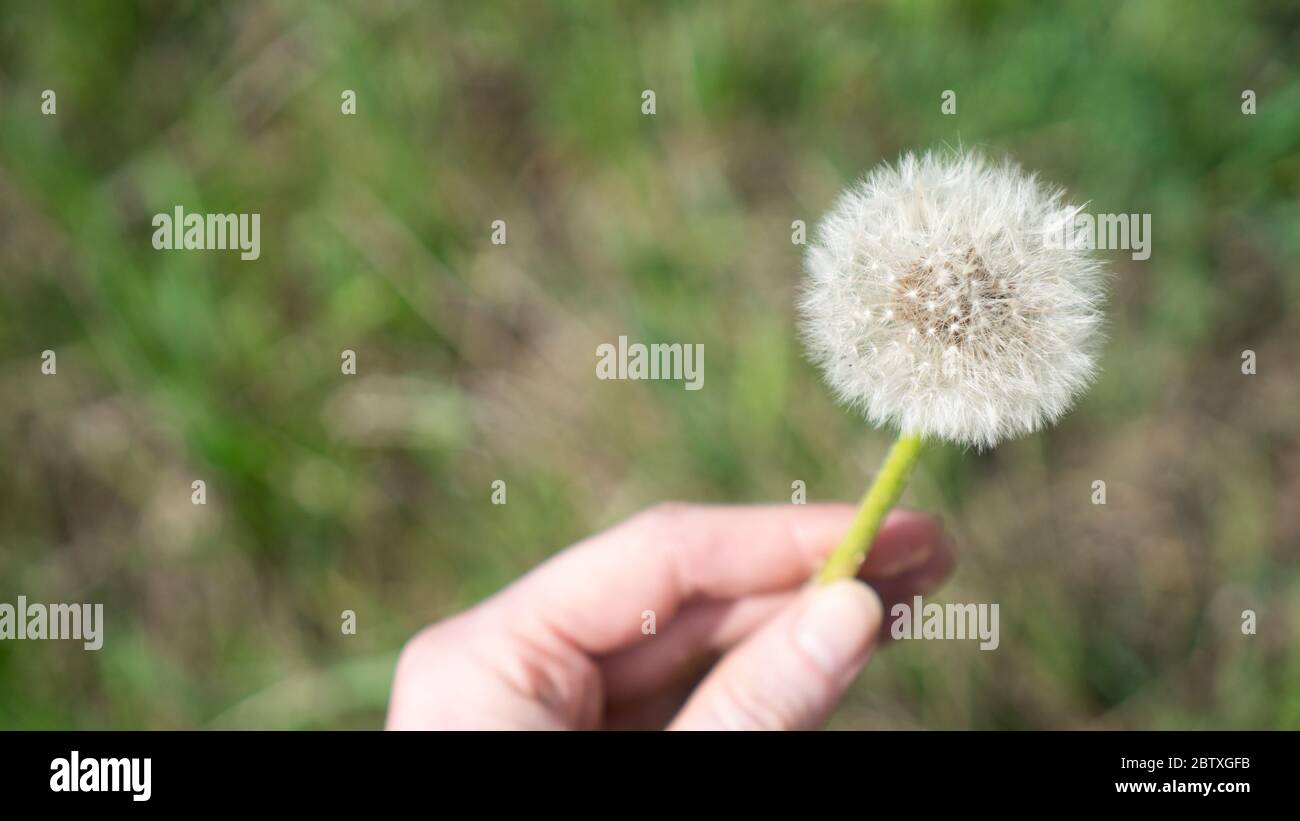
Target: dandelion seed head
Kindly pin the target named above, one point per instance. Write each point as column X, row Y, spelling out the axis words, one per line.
column 1020, row 336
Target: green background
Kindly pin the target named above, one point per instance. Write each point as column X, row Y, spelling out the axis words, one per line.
column 476, row 362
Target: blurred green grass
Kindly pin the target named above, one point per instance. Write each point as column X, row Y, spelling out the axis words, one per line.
column 371, row 492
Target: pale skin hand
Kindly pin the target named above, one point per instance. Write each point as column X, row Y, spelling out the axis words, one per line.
column 741, row 642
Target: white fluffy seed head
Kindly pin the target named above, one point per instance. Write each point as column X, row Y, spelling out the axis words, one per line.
column 935, row 300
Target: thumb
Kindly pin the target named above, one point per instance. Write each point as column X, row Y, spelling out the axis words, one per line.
column 789, row 674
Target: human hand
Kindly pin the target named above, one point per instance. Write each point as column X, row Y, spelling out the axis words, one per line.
column 740, row 641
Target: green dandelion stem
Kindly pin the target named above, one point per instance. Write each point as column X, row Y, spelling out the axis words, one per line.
column 880, row 497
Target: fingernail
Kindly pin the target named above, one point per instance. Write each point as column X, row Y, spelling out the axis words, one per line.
column 913, row 558
column 837, row 624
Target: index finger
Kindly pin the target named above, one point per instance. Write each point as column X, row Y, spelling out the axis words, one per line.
column 596, row 594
